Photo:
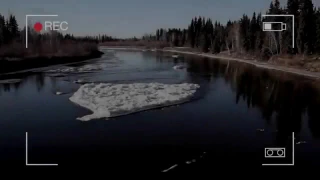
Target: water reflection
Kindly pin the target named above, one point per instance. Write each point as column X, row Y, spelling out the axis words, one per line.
column 314, row 117
column 37, row 78
column 40, row 82
column 8, row 87
column 283, row 100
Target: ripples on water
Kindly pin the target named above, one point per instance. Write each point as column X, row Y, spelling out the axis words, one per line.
column 233, row 102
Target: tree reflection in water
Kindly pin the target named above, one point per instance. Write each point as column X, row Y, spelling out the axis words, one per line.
column 284, row 100
column 281, row 97
column 40, row 82
column 8, row 87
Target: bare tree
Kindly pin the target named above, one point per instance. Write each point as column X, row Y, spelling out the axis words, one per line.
column 236, row 35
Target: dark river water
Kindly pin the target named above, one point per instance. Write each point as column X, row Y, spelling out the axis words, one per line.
column 219, row 129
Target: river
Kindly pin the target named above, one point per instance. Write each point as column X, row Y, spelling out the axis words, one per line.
column 238, row 111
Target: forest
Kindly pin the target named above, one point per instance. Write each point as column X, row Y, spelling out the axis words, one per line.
column 44, row 48
column 45, row 44
column 243, row 38
column 246, row 36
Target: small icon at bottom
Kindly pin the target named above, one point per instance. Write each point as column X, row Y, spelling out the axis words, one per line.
column 274, row 152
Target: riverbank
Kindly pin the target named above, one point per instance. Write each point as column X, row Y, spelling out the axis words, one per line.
column 10, row 65
column 255, row 63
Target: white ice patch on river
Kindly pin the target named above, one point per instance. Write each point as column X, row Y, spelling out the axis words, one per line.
column 111, row 63
column 85, row 68
column 109, row 100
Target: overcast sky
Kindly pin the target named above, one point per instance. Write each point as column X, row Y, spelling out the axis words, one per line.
column 127, row 18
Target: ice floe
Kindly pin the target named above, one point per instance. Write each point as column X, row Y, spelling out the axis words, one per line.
column 195, row 160
column 187, row 162
column 10, row 81
column 175, row 56
column 59, row 93
column 176, row 67
column 301, row 142
column 81, row 69
column 78, row 81
column 109, row 100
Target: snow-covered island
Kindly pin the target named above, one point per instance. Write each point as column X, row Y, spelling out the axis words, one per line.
column 109, row 100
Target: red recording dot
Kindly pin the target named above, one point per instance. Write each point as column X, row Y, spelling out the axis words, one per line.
column 37, row 27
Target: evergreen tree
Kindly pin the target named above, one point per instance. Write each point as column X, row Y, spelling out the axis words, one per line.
column 228, row 36
column 253, row 32
column 275, row 37
column 306, row 29
column 13, row 27
column 205, row 35
column 259, row 35
column 184, row 37
column 317, row 38
column 7, row 35
column 2, row 30
column 292, row 9
column 191, row 33
column 216, row 39
column 276, row 9
column 244, row 32
column 161, row 34
column 198, row 31
column 158, row 35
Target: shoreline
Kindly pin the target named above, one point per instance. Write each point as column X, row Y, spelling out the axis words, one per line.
column 264, row 65
column 28, row 64
column 257, row 64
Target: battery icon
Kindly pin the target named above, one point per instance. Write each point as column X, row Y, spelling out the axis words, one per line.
column 274, row 26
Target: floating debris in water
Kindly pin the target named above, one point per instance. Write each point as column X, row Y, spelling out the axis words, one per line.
column 176, row 67
column 187, row 162
column 170, row 168
column 301, row 142
column 175, row 56
column 195, row 160
column 79, row 81
column 60, row 93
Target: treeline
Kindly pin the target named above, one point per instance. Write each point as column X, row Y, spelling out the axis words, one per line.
column 97, row 39
column 13, row 39
column 246, row 35
column 175, row 36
